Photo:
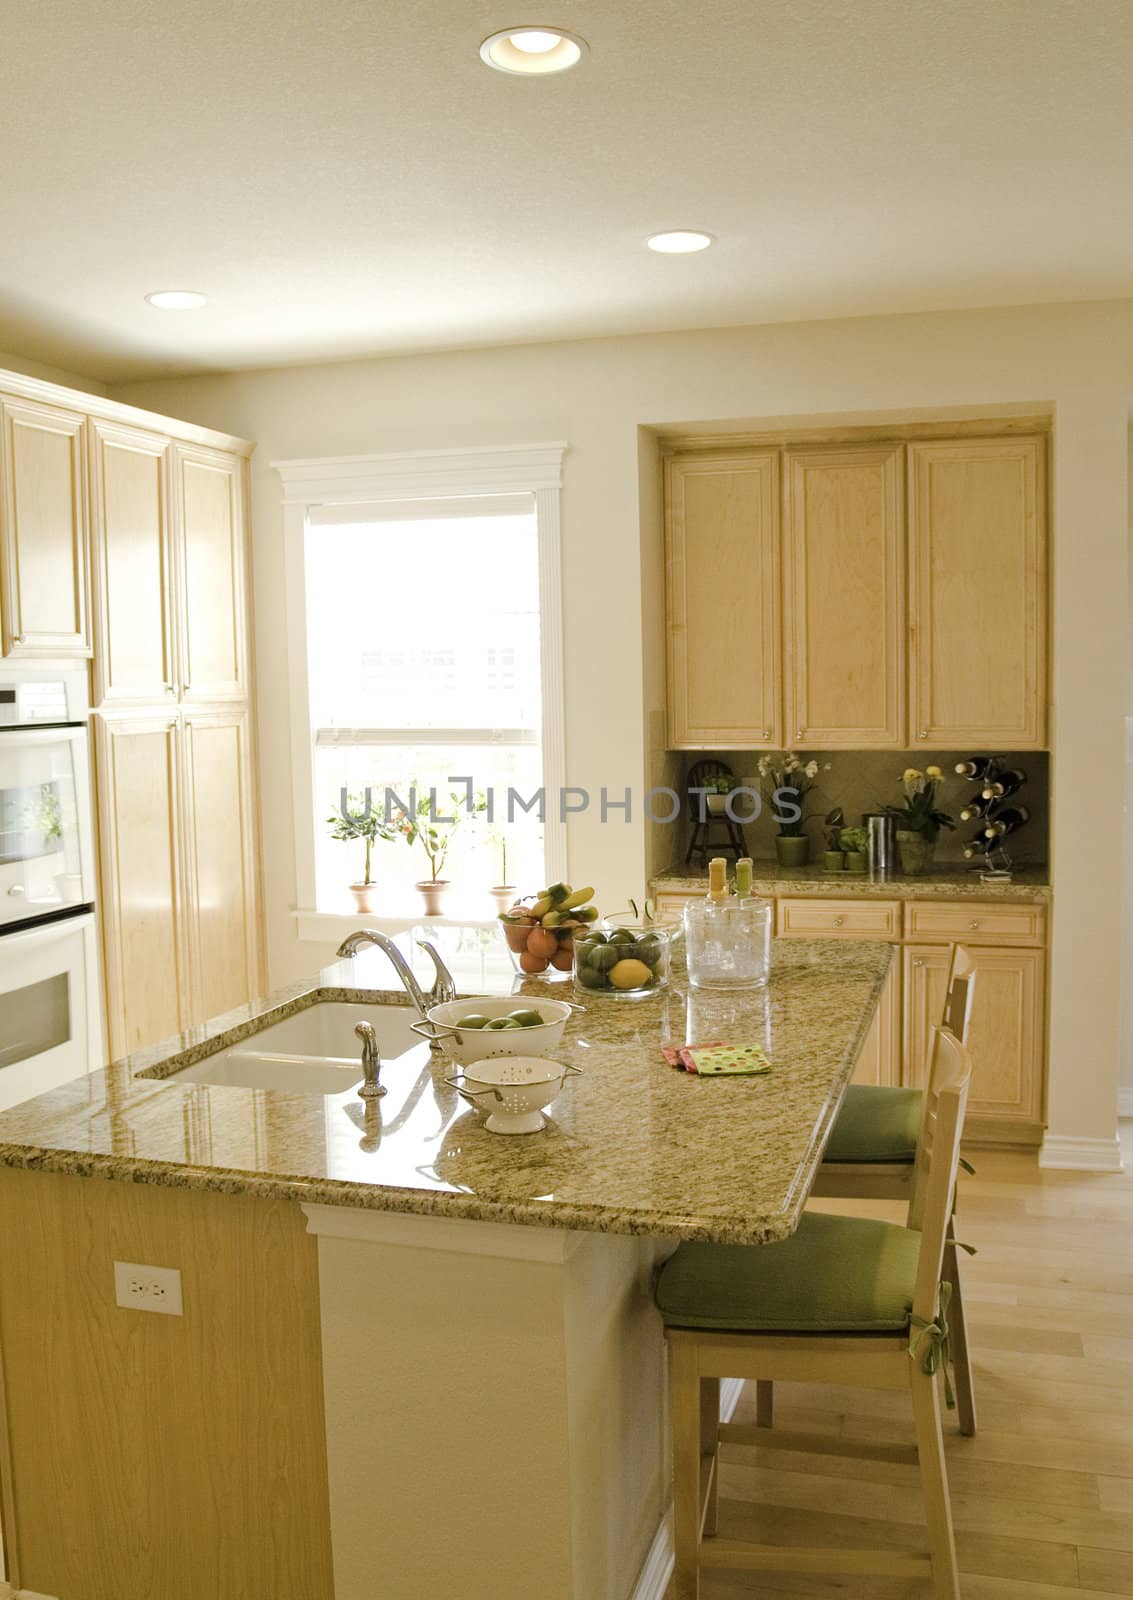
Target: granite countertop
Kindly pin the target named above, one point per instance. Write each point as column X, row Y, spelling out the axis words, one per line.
column 632, row 1146
column 944, row 883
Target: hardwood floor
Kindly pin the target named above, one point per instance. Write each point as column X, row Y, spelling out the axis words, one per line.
column 1043, row 1495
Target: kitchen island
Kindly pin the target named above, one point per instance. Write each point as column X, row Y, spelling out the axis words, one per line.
column 412, row 1352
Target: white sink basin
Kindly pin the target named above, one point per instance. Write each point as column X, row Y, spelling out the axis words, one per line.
column 314, row 1052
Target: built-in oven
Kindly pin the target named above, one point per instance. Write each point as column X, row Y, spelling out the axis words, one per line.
column 50, row 1016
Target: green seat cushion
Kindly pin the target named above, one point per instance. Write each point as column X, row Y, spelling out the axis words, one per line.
column 876, row 1125
column 849, row 1274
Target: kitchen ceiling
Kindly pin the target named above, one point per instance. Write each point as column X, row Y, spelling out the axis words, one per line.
column 345, row 179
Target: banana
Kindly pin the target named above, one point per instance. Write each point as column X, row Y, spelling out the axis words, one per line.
column 542, row 905
column 586, row 913
column 560, row 892
column 578, row 898
column 551, row 919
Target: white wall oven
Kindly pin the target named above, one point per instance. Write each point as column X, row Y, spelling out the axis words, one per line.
column 50, row 1018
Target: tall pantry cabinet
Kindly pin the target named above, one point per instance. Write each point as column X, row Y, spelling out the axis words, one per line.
column 123, row 540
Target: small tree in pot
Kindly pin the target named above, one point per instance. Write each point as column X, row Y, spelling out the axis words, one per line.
column 357, row 818
column 434, row 833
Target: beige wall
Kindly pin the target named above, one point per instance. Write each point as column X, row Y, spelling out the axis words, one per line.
column 36, row 369
column 1075, row 360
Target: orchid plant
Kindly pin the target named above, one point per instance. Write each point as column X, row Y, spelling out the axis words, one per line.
column 918, row 811
column 783, row 773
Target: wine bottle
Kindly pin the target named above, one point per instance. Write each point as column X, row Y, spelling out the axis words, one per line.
column 1004, row 784
column 1006, row 822
column 743, row 877
column 976, row 808
column 978, row 768
column 979, row 846
column 717, row 881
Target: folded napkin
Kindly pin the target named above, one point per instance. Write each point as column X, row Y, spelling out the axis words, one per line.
column 719, row 1060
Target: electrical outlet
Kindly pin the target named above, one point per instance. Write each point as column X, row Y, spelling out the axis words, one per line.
column 148, row 1288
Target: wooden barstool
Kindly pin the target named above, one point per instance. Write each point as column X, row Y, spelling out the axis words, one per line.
column 700, row 839
column 845, row 1300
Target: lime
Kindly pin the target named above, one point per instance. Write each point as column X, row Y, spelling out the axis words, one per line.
column 604, row 957
column 526, row 1019
column 473, row 1020
column 593, row 978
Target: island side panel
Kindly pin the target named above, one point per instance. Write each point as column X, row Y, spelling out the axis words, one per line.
column 155, row 1456
column 495, row 1407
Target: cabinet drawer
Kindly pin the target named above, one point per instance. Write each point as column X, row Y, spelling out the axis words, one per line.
column 840, row 919
column 974, row 922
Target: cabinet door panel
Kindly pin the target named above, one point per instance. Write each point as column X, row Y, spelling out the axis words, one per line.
column 135, row 658
column 926, row 985
column 880, row 1060
column 139, row 801
column 210, row 515
column 723, row 601
column 978, row 560
column 222, row 861
column 43, row 531
column 1007, row 1036
column 845, row 605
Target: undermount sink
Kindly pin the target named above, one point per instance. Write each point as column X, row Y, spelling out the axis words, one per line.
column 314, row 1052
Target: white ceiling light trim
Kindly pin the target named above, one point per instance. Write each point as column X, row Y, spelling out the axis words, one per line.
column 533, row 51
column 679, row 241
column 177, row 299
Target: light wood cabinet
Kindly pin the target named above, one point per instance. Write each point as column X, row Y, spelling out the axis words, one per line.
column 44, row 602
column 844, row 567
column 915, row 613
column 135, row 660
column 209, row 515
column 1007, row 1037
column 139, row 777
column 723, row 602
column 977, row 550
column 221, row 859
column 879, row 1063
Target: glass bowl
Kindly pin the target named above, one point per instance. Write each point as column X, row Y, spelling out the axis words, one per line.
column 622, row 959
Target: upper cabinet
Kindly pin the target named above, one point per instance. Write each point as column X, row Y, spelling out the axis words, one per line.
column 135, row 659
column 44, row 605
column 911, row 613
column 978, row 558
column 844, row 577
column 723, row 601
column 210, row 519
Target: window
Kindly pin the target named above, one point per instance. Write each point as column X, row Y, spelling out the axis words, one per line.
column 424, row 674
column 430, row 659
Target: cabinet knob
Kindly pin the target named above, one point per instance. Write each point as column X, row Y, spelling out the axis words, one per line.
column 21, row 638
column 974, row 923
column 767, row 733
column 186, row 688
column 800, row 733
column 838, row 921
column 169, row 688
column 918, row 962
column 17, row 889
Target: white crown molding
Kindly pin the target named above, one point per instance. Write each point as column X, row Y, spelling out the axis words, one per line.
column 1080, row 1155
column 422, row 474
column 15, row 384
column 469, row 1238
column 653, row 1579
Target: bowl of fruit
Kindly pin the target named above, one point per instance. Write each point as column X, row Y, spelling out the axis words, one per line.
column 625, row 961
column 495, row 1025
column 540, row 931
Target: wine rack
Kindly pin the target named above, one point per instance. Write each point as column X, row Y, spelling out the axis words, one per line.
column 996, row 809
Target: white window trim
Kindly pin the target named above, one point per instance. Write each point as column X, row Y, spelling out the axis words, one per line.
column 415, row 475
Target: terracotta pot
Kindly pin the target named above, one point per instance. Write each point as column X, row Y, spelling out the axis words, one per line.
column 916, row 851
column 365, row 896
column 433, row 894
column 504, row 896
column 833, row 861
column 792, row 849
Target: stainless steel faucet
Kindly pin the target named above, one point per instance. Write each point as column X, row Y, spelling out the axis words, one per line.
column 443, row 989
column 371, row 1088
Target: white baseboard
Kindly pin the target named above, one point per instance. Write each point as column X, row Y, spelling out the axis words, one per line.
column 1081, row 1155
column 654, row 1576
column 1125, row 1102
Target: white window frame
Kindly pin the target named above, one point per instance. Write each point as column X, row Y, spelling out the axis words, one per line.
column 420, row 476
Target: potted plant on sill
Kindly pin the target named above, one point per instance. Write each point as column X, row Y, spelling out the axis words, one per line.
column 919, row 819
column 786, row 780
column 855, row 843
column 503, row 893
column 833, row 859
column 357, row 819
column 434, row 833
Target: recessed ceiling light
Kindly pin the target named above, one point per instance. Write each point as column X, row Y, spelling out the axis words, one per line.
column 177, row 299
column 679, row 242
column 533, row 51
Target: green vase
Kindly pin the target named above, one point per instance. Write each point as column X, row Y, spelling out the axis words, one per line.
column 833, row 861
column 916, row 851
column 856, row 861
column 792, row 849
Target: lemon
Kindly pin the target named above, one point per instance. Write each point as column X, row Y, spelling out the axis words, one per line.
column 630, row 974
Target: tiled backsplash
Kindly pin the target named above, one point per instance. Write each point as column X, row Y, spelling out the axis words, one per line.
column 865, row 780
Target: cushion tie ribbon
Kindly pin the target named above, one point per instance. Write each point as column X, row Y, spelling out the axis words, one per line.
column 930, row 1345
